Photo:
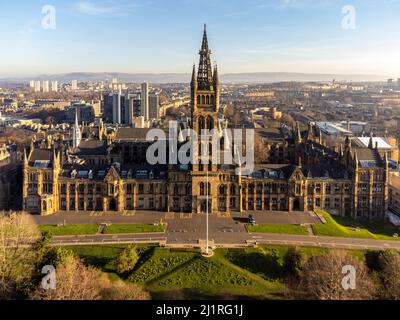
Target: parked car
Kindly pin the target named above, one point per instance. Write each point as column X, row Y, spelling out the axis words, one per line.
column 252, row 220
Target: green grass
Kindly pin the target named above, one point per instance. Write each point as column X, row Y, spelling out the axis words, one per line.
column 337, row 226
column 200, row 278
column 102, row 257
column 87, row 229
column 277, row 228
column 250, row 273
column 71, row 229
column 134, row 228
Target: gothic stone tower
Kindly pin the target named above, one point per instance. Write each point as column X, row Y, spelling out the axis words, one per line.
column 205, row 91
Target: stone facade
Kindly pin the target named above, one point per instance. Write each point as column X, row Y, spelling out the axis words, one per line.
column 112, row 173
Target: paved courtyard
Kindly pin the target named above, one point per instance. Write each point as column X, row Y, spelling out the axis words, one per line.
column 174, row 220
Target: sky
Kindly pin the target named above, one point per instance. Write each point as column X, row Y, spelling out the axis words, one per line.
column 164, row 36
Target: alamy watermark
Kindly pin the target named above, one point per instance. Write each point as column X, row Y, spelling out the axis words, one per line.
column 49, row 281
column 349, row 20
column 49, row 17
column 204, row 148
column 349, row 280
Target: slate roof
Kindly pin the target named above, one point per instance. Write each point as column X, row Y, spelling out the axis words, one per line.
column 40, row 155
column 91, row 147
column 133, row 134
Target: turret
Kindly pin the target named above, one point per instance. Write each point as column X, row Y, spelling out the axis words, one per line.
column 25, row 158
column 298, row 134
column 371, row 142
column 356, row 160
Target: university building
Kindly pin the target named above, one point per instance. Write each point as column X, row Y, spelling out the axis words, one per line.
column 109, row 172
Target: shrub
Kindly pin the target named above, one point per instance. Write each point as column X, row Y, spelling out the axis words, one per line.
column 293, row 261
column 127, row 260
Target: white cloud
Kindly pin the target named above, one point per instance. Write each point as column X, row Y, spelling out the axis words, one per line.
column 106, row 8
column 294, row 4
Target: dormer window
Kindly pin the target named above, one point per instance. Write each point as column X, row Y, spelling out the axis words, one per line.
column 73, row 174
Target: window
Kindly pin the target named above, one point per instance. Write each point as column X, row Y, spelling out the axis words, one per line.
column 72, row 204
column 141, row 188
column 327, row 202
column 202, row 192
column 328, row 189
column 141, row 203
column 81, row 204
column 81, row 189
column 63, row 188
column 63, row 204
column 129, row 188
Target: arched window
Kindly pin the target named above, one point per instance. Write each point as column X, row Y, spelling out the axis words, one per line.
column 221, row 189
column 233, row 189
column 203, row 99
column 208, row 99
column 198, row 99
column 176, row 190
column 210, row 123
column 202, row 192
column 201, row 124
column 210, row 149
column 251, row 188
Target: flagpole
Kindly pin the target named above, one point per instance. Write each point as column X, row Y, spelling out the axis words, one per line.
column 207, row 216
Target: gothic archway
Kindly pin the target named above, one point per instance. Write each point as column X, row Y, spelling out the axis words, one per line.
column 296, row 205
column 112, row 206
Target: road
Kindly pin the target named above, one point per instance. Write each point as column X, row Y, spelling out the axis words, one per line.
column 229, row 232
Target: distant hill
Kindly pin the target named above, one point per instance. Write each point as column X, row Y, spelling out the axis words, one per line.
column 257, row 77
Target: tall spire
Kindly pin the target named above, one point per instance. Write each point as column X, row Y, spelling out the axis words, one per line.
column 205, row 77
column 76, row 133
column 194, row 74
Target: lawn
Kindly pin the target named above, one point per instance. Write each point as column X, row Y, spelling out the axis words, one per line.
column 170, row 274
column 337, row 226
column 102, row 257
column 70, row 229
column 134, row 228
column 277, row 228
column 88, row 229
column 255, row 273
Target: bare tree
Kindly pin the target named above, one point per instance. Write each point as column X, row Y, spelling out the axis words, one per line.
column 261, row 150
column 18, row 233
column 74, row 281
column 321, row 279
column 229, row 111
column 390, row 274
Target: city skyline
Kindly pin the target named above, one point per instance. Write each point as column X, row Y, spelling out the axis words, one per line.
column 303, row 36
